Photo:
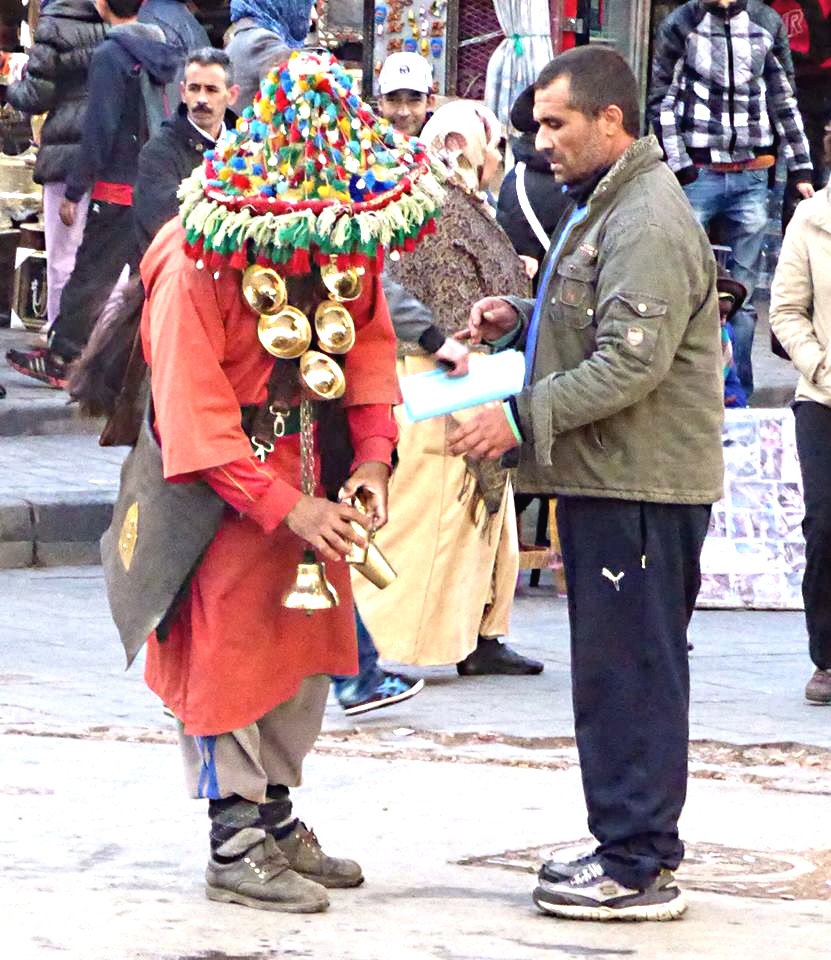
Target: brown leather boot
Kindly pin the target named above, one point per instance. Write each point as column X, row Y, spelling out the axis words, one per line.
column 818, row 688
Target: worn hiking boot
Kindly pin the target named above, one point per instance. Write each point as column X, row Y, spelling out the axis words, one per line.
column 818, row 688
column 591, row 894
column 305, row 856
column 264, row 880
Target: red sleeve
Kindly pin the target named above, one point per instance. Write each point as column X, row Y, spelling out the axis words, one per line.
column 373, row 431
column 253, row 490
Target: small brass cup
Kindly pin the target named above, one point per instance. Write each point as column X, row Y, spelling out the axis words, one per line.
column 286, row 334
column 264, row 289
column 322, row 375
column 342, row 285
column 335, row 327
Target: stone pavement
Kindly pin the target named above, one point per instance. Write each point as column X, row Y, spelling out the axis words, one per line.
column 449, row 801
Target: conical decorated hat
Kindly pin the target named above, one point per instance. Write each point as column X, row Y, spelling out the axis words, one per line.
column 310, row 173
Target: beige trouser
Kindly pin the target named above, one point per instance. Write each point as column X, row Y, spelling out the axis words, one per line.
column 271, row 751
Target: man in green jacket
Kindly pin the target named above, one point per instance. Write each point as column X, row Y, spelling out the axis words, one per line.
column 621, row 420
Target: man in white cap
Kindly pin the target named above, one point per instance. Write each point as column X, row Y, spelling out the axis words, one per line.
column 406, row 87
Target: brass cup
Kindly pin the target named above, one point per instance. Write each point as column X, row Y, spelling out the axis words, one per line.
column 311, row 590
column 376, row 568
column 264, row 289
column 342, row 284
column 335, row 327
column 285, row 334
column 322, row 375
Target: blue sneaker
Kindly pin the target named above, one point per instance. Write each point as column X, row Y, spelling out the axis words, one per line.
column 390, row 688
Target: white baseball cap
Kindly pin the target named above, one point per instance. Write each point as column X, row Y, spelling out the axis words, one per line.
column 405, row 71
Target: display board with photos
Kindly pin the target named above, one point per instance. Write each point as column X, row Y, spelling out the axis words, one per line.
column 415, row 26
column 754, row 554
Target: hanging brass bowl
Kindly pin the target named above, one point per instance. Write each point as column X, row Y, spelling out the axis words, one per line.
column 286, row 334
column 311, row 590
column 322, row 375
column 342, row 284
column 264, row 289
column 335, row 327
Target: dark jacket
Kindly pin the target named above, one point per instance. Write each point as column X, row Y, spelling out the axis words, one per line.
column 165, row 160
column 722, row 86
column 545, row 195
column 254, row 51
column 116, row 123
column 181, row 30
column 56, row 82
column 625, row 399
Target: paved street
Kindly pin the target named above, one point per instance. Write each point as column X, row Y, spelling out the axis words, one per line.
column 449, row 801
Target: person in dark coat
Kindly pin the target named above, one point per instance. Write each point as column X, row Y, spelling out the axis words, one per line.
column 127, row 76
column 208, row 91
column 530, row 181
column 55, row 83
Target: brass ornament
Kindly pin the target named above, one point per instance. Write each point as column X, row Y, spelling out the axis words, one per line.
column 311, row 590
column 286, row 334
column 128, row 537
column 369, row 561
column 343, row 285
column 264, row 289
column 322, row 375
column 335, row 327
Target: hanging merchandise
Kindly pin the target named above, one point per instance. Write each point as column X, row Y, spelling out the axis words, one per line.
column 412, row 26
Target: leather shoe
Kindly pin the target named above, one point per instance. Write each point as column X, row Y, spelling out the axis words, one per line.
column 818, row 688
column 491, row 656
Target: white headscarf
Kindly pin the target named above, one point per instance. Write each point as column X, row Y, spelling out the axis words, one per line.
column 460, row 133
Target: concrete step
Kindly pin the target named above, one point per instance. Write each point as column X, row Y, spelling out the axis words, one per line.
column 56, row 497
column 32, row 408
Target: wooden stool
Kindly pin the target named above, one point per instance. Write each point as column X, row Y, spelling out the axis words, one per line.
column 541, row 556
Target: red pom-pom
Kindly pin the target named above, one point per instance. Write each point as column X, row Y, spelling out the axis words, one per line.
column 238, row 260
column 241, row 181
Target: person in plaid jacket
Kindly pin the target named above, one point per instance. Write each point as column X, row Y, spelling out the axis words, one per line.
column 722, row 101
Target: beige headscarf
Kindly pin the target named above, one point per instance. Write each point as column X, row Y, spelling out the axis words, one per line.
column 476, row 128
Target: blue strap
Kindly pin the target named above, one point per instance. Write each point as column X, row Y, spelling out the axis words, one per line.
column 578, row 215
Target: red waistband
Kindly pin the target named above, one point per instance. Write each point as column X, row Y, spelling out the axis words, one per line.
column 118, row 193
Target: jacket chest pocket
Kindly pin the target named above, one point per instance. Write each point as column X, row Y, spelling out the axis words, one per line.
column 574, row 293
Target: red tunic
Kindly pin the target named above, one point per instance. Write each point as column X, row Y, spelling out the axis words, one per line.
column 234, row 651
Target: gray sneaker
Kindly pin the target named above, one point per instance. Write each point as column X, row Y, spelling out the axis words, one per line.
column 305, row 856
column 591, row 894
column 263, row 879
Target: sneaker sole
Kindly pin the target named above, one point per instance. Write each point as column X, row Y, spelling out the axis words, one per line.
column 670, row 910
column 45, row 378
column 221, row 895
column 359, row 708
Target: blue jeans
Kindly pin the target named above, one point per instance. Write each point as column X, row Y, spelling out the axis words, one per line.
column 741, row 200
column 368, row 671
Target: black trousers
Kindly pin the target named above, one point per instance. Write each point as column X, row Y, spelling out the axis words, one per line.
column 813, row 443
column 632, row 573
column 109, row 242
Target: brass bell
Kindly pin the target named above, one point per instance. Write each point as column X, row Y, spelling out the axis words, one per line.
column 264, row 289
column 285, row 334
column 342, row 284
column 322, row 375
column 335, row 327
column 311, row 590
column 368, row 560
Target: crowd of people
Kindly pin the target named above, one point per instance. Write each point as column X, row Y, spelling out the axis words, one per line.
column 202, row 205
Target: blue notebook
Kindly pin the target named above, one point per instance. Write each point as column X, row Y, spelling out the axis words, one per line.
column 493, row 377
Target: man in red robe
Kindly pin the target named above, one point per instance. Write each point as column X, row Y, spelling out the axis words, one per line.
column 246, row 676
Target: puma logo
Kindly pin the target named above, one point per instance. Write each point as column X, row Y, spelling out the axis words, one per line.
column 614, row 577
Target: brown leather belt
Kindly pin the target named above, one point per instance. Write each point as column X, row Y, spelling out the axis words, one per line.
column 758, row 163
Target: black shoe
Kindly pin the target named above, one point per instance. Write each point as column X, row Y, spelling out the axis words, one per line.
column 494, row 657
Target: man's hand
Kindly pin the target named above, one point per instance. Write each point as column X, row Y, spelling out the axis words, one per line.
column 327, row 526
column 68, row 212
column 455, row 356
column 369, row 482
column 490, row 319
column 486, row 436
column 805, row 190
column 532, row 266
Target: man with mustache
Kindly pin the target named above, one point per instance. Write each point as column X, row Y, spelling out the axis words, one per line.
column 208, row 91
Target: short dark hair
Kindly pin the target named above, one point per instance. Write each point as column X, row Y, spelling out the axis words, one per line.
column 598, row 78
column 209, row 57
column 124, row 9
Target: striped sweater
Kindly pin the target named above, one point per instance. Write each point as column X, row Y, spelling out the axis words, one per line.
column 722, row 88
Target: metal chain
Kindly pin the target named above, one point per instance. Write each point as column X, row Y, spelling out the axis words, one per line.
column 307, row 453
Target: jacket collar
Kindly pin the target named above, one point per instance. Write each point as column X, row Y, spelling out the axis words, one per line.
column 725, row 13
column 640, row 155
column 190, row 134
